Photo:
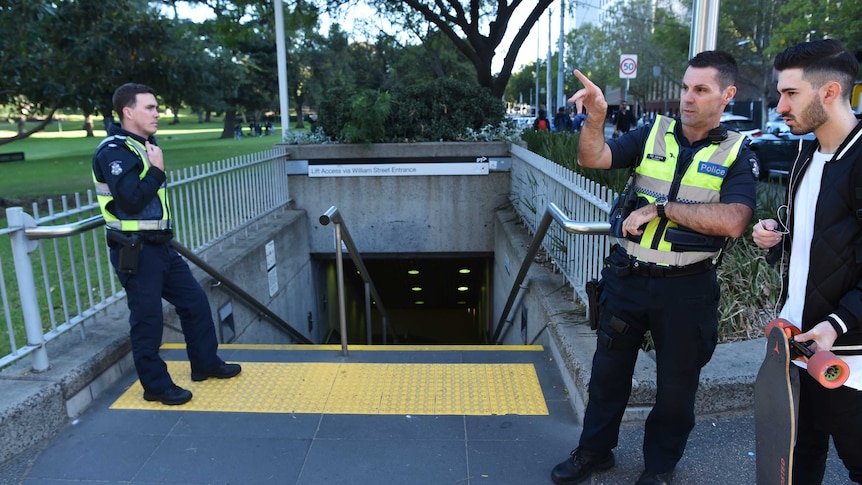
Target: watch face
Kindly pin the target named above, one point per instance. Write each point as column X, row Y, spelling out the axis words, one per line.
column 661, row 200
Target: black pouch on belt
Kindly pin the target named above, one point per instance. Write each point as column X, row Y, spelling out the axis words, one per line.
column 594, row 291
column 130, row 251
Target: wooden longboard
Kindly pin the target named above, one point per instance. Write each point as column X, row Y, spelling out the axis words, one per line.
column 776, row 401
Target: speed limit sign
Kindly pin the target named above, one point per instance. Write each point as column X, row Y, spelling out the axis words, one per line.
column 628, row 66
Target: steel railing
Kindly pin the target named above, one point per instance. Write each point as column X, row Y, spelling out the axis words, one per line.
column 343, row 235
column 552, row 214
column 73, row 278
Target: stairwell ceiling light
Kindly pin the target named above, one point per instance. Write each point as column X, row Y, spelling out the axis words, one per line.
column 416, row 288
column 464, row 270
column 413, row 271
column 463, row 288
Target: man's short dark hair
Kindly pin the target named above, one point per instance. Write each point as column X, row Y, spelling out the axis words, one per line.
column 126, row 95
column 722, row 61
column 821, row 61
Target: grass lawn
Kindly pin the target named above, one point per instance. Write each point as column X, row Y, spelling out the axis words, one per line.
column 58, row 159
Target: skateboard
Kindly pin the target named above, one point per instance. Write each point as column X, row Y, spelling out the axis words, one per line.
column 776, row 398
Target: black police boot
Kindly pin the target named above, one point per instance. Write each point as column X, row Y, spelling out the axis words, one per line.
column 173, row 396
column 580, row 466
column 653, row 478
column 224, row 371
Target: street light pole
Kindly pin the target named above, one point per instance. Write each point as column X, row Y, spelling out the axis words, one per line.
column 281, row 58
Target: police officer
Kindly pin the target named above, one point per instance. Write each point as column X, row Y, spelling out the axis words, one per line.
column 695, row 185
column 128, row 171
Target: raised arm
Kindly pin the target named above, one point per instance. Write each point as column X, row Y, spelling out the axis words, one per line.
column 593, row 152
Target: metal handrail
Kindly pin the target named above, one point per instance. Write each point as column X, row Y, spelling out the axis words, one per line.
column 552, row 214
column 64, row 230
column 343, row 235
column 84, row 225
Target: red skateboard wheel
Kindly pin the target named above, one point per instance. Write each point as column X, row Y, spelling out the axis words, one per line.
column 789, row 328
column 828, row 370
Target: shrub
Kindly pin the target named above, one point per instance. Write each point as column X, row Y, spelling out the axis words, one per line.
column 368, row 113
column 441, row 110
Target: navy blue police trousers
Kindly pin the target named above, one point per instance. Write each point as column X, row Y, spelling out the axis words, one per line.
column 162, row 273
column 681, row 314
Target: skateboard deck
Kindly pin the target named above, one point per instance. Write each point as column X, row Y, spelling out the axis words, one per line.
column 776, row 400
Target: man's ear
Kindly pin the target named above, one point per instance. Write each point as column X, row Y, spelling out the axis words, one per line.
column 729, row 93
column 830, row 92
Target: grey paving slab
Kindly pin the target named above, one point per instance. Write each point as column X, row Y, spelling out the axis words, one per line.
column 182, row 447
column 342, row 426
column 224, row 460
column 393, row 461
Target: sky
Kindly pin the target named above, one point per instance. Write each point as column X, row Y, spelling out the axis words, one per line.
column 537, row 41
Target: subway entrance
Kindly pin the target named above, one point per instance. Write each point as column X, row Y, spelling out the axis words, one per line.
column 430, row 299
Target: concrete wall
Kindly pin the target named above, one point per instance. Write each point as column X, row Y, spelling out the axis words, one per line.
column 435, row 214
column 242, row 259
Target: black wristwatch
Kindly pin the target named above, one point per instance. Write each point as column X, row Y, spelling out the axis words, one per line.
column 660, row 203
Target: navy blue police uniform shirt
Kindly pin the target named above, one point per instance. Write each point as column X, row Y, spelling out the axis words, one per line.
column 120, row 168
column 739, row 185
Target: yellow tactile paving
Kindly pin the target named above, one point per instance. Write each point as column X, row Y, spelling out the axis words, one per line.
column 354, row 388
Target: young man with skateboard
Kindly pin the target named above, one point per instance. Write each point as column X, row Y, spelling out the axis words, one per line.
column 822, row 231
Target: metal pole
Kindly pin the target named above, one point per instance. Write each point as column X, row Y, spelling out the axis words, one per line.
column 561, row 98
column 339, row 272
column 538, row 66
column 281, row 58
column 21, row 249
column 368, row 312
column 704, row 26
column 548, row 106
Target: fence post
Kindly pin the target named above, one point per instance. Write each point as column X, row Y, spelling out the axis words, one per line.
column 21, row 249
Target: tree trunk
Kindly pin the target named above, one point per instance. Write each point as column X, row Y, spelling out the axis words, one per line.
column 229, row 124
column 88, row 125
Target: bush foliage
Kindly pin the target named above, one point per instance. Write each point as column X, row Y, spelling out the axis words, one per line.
column 442, row 110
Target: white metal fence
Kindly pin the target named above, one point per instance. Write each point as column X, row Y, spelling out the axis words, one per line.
column 537, row 182
column 72, row 278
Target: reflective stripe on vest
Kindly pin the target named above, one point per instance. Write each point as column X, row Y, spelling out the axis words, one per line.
column 700, row 184
column 104, row 195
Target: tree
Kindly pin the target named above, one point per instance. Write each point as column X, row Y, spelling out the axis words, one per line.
column 476, row 29
column 819, row 19
column 746, row 30
column 27, row 86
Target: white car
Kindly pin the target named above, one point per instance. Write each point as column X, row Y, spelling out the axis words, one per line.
column 776, row 124
column 741, row 124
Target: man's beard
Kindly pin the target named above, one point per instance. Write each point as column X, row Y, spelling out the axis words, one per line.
column 814, row 116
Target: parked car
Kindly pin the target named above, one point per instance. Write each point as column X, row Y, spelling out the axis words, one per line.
column 776, row 124
column 777, row 152
column 741, row 124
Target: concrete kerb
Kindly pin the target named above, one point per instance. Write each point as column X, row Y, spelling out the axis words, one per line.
column 33, row 406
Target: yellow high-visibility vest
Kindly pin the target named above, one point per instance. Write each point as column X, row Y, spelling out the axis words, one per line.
column 104, row 195
column 700, row 184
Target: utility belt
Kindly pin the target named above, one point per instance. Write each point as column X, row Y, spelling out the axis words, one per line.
column 621, row 264
column 154, row 238
column 130, row 244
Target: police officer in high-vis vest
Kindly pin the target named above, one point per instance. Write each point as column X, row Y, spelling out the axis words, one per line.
column 128, row 171
column 692, row 189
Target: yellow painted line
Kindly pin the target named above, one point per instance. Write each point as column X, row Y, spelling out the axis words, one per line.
column 354, row 388
column 431, row 348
